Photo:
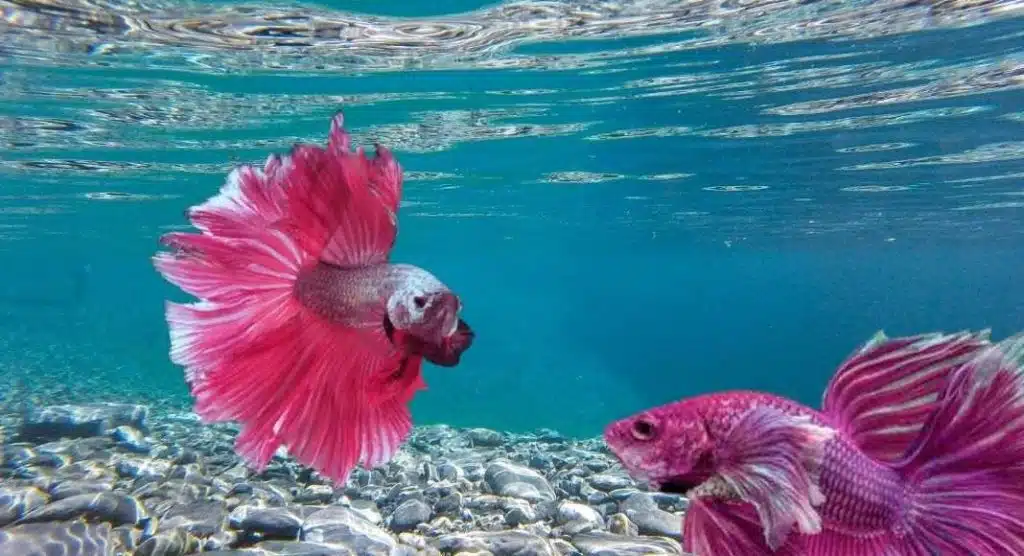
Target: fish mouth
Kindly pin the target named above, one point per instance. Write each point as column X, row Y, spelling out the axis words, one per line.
column 453, row 328
column 687, row 484
column 678, row 485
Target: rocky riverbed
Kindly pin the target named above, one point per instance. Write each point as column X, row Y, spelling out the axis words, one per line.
column 106, row 479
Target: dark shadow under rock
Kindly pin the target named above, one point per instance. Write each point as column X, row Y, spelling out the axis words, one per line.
column 274, row 523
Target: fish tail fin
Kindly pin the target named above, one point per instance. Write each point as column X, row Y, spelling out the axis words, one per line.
column 966, row 468
column 252, row 352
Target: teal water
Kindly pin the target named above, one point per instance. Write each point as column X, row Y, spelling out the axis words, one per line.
column 637, row 201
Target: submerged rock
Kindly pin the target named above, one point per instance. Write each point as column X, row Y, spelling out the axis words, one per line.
column 78, row 421
column 608, row 483
column 131, row 439
column 202, row 518
column 279, row 523
column 117, row 509
column 574, row 511
column 499, row 543
column 43, row 539
column 485, row 437
column 509, row 479
column 139, row 468
column 367, row 510
column 642, row 510
column 174, row 542
column 338, row 525
column 621, row 525
column 608, row 544
column 302, row 548
column 410, row 514
column 16, row 502
column 68, row 489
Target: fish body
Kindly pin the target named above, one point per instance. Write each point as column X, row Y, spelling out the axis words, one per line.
column 305, row 332
column 916, row 450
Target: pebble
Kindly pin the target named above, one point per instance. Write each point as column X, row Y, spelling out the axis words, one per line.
column 173, row 542
column 520, row 515
column 315, row 494
column 301, row 548
column 485, row 437
column 367, row 510
column 338, row 525
column 269, row 522
column 16, row 502
column 200, row 518
column 607, row 544
column 574, row 511
column 116, row 509
column 77, row 421
column 509, row 479
column 609, row 483
column 78, row 538
column 66, row 489
column 119, row 479
column 499, row 543
column 410, row 514
column 642, row 510
column 450, row 503
column 131, row 439
column 621, row 525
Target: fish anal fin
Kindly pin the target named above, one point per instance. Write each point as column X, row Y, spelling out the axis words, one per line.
column 714, row 527
column 305, row 386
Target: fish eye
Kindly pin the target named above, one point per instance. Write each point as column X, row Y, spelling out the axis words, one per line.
column 420, row 301
column 643, row 429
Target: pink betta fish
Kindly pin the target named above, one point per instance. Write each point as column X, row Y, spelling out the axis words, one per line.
column 305, row 333
column 918, row 450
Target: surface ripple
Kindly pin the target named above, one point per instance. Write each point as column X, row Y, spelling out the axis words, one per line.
column 724, row 122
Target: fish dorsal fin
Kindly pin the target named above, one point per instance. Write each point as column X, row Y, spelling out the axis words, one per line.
column 351, row 199
column 377, row 194
column 364, row 234
column 882, row 394
column 386, row 178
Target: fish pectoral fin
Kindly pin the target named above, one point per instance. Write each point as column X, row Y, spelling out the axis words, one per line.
column 771, row 460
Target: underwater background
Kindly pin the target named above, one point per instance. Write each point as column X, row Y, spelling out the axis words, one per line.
column 636, row 201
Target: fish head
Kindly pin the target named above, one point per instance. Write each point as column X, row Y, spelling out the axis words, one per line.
column 426, row 313
column 429, row 313
column 668, row 446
